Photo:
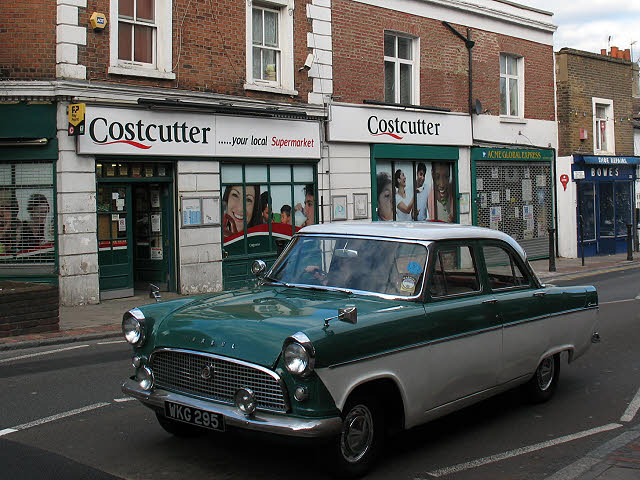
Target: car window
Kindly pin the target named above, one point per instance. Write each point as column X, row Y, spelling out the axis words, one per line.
column 454, row 271
column 502, row 270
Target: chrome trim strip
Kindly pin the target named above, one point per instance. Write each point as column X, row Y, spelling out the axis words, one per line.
column 456, row 337
column 275, row 376
column 263, row 422
column 136, row 313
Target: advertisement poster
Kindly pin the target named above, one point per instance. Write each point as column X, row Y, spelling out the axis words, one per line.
column 527, row 216
column 495, row 218
column 527, row 190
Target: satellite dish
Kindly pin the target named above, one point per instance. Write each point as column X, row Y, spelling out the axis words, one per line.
column 478, row 107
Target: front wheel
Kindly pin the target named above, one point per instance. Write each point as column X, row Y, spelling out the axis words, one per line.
column 544, row 382
column 361, row 438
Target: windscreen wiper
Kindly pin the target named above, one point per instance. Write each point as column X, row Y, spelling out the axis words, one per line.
column 275, row 281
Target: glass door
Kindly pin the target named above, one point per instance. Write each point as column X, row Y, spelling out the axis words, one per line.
column 115, row 259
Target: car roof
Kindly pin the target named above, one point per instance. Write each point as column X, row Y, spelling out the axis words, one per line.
column 429, row 231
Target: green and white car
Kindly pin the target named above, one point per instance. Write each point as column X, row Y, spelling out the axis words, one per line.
column 358, row 330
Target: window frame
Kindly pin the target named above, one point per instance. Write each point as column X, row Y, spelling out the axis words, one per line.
column 285, row 71
column 514, row 261
column 162, row 51
column 434, row 250
column 609, row 126
column 397, row 61
column 519, row 77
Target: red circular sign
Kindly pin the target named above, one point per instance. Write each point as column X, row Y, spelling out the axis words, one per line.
column 564, row 180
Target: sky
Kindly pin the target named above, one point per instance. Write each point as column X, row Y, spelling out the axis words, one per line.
column 588, row 24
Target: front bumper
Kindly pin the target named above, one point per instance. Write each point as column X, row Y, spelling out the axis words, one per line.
column 259, row 421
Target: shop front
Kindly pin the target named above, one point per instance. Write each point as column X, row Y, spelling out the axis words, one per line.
column 512, row 191
column 605, row 202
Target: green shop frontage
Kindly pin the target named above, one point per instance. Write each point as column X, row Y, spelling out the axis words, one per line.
column 28, row 155
column 187, row 200
column 512, row 191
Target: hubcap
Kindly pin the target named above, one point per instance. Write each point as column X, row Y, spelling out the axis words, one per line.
column 357, row 433
column 545, row 373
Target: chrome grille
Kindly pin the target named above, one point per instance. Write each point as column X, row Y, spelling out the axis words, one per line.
column 180, row 371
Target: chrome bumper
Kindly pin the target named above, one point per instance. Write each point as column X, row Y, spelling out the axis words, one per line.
column 260, row 421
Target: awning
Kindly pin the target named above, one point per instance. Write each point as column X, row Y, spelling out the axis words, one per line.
column 605, row 160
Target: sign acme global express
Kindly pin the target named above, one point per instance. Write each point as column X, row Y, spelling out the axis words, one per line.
column 511, row 154
column 120, row 131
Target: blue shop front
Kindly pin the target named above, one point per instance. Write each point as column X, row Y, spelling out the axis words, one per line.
column 605, row 194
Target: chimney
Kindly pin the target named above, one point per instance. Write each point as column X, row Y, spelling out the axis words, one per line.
column 627, row 54
column 603, row 51
column 614, row 51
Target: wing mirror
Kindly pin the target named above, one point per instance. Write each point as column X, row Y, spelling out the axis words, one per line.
column 258, row 267
column 154, row 292
column 348, row 314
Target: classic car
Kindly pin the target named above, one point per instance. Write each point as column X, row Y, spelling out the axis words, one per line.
column 356, row 331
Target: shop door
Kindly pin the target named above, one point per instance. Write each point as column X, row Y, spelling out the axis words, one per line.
column 152, row 252
column 115, row 251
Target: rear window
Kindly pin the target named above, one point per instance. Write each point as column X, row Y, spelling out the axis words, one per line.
column 454, row 271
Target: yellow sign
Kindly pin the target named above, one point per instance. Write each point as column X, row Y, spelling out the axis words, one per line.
column 98, row 21
column 76, row 118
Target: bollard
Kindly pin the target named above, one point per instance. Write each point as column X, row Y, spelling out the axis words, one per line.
column 629, row 242
column 552, row 250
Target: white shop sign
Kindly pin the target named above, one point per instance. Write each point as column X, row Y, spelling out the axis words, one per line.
column 401, row 127
column 119, row 131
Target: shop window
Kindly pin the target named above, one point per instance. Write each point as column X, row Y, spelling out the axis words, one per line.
column 400, row 78
column 264, row 205
column 269, row 46
column 416, row 190
column 141, row 38
column 623, row 207
column 587, row 198
column 603, row 126
column 511, row 85
column 27, row 232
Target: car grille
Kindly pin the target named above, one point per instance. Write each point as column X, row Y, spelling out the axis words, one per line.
column 180, row 371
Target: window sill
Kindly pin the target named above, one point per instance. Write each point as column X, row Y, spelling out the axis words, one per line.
column 266, row 88
column 521, row 121
column 141, row 72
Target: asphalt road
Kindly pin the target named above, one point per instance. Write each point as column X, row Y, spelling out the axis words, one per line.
column 63, row 416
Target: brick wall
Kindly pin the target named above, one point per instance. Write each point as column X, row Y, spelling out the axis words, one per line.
column 209, row 49
column 358, row 39
column 27, row 40
column 28, row 308
column 582, row 76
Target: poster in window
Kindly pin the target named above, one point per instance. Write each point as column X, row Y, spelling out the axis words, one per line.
column 441, row 202
column 495, row 218
column 34, row 220
column 234, row 199
column 155, row 223
column 304, row 198
column 403, row 189
column 424, row 184
column 465, row 202
column 155, row 198
column 156, row 253
column 385, row 192
column 527, row 190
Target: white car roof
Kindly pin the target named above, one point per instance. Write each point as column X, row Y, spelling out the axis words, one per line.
column 429, row 231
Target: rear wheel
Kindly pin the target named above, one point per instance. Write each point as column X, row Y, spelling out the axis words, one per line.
column 361, row 438
column 179, row 429
column 544, row 382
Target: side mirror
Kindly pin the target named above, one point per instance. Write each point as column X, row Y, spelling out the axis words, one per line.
column 258, row 267
column 348, row 314
column 154, row 292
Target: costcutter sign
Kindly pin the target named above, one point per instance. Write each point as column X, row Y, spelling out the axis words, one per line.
column 118, row 131
column 353, row 123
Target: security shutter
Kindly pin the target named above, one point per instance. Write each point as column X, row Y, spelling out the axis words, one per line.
column 27, row 235
column 516, row 198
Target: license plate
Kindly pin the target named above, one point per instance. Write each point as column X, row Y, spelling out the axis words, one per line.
column 194, row 416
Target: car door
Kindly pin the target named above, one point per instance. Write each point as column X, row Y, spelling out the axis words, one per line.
column 521, row 307
column 465, row 355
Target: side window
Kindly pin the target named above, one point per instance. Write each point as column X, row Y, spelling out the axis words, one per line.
column 454, row 271
column 502, row 270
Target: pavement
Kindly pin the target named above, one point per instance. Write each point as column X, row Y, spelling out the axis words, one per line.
column 618, row 459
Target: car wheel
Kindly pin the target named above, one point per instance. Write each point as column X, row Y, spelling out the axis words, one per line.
column 179, row 429
column 544, row 382
column 361, row 438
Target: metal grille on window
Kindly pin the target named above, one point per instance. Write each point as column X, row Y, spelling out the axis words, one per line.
column 516, row 198
column 27, row 213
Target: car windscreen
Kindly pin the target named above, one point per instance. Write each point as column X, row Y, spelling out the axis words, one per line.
column 371, row 265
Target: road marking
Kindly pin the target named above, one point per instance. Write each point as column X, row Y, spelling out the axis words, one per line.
column 632, row 409
column 126, row 399
column 110, row 343
column 620, row 301
column 53, row 418
column 520, row 451
column 49, row 352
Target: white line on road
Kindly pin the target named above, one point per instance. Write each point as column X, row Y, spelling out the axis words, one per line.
column 632, row 409
column 126, row 399
column 520, row 451
column 52, row 418
column 619, row 301
column 110, row 343
column 49, row 352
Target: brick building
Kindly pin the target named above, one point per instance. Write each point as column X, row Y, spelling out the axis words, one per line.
column 206, row 133
column 596, row 162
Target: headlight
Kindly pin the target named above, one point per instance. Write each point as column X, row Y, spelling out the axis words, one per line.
column 299, row 355
column 133, row 327
column 145, row 378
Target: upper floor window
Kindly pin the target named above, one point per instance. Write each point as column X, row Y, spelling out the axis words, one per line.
column 270, row 46
column 141, row 38
column 400, row 67
column 511, row 85
column 603, row 126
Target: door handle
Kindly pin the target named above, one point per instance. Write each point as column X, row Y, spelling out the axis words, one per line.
column 539, row 294
column 491, row 300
